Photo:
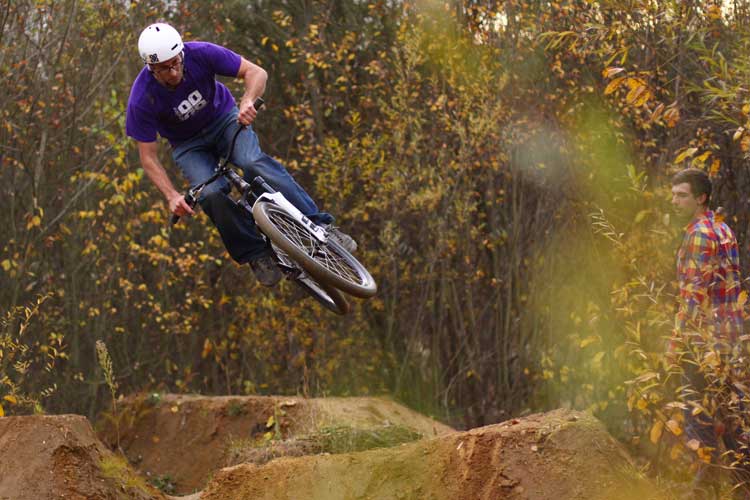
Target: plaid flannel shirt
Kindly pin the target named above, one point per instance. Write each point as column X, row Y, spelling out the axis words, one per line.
column 708, row 273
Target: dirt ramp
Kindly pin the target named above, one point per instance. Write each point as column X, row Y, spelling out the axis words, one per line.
column 561, row 455
column 184, row 439
column 59, row 457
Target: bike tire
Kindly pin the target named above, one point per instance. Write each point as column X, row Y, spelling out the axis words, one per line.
column 328, row 297
column 328, row 263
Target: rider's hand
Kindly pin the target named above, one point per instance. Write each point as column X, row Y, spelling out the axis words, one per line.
column 247, row 111
column 178, row 206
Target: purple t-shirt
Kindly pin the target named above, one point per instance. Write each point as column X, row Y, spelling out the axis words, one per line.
column 198, row 100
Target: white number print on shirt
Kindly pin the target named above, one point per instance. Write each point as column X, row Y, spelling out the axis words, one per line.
column 187, row 108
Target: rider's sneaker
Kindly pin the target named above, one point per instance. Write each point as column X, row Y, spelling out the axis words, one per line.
column 266, row 271
column 341, row 238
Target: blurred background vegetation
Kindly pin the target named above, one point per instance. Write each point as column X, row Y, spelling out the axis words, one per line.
column 502, row 164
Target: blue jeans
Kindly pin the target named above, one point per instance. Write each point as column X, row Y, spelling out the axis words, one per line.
column 198, row 156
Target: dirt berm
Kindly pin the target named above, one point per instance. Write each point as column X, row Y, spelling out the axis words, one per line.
column 182, row 440
column 293, row 448
column 59, row 457
column 561, row 455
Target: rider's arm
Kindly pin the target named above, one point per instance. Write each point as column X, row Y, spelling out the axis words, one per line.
column 148, row 152
column 255, row 84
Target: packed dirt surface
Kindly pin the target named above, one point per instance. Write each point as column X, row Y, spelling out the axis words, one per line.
column 300, row 449
column 181, row 441
column 56, row 457
column 561, row 455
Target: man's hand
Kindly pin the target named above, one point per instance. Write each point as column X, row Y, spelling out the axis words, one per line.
column 178, row 206
column 247, row 111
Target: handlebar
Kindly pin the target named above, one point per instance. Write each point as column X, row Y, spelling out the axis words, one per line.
column 190, row 198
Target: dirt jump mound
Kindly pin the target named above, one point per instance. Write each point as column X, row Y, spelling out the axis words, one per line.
column 281, row 448
column 561, row 455
column 51, row 457
column 182, row 440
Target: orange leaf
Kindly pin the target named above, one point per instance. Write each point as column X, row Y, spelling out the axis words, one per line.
column 656, row 431
column 674, row 427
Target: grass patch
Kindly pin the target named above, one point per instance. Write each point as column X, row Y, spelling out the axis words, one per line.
column 345, row 439
column 334, row 440
column 118, row 470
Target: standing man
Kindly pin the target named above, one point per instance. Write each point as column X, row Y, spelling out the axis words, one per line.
column 708, row 274
column 176, row 96
column 708, row 266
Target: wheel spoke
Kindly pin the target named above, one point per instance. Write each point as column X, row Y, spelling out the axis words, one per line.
column 323, row 254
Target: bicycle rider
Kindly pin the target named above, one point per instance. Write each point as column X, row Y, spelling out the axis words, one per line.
column 176, row 95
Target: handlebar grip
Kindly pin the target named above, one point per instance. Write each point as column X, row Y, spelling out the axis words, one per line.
column 259, row 102
column 190, row 200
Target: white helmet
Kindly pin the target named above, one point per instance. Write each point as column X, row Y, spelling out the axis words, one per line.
column 158, row 43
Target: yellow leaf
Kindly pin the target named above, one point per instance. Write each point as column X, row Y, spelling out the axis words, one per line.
column 207, row 348
column 656, row 431
column 689, row 152
column 702, row 158
column 694, row 444
column 642, row 404
column 588, row 340
column 715, row 166
column 635, row 92
column 738, row 133
column 6, row 265
column 174, row 409
column 2, row 412
column 11, row 399
column 270, row 422
column 35, row 221
column 674, row 427
column 639, row 93
column 745, row 143
column 614, row 85
column 704, row 454
column 742, row 299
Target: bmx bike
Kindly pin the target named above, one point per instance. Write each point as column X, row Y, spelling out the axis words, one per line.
column 303, row 250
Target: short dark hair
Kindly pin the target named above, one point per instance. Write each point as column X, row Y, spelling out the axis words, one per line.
column 698, row 180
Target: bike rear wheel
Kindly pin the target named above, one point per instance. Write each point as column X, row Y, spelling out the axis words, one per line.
column 327, row 296
column 328, row 263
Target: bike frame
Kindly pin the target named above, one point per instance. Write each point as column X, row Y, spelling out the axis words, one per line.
column 251, row 193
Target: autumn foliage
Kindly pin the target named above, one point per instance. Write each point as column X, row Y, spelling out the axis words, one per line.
column 502, row 166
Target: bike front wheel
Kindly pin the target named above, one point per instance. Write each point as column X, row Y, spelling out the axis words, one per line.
column 328, row 263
